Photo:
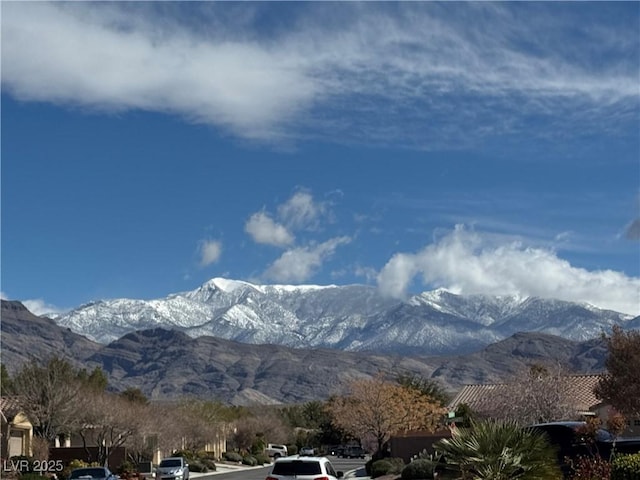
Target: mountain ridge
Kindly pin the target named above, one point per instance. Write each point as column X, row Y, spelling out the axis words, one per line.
column 351, row 317
column 168, row 364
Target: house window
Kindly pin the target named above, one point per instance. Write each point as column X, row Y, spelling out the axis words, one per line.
column 636, row 423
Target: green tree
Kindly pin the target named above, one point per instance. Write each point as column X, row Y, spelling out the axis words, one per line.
column 620, row 385
column 96, row 381
column 134, row 395
column 497, row 450
column 6, row 385
column 426, row 386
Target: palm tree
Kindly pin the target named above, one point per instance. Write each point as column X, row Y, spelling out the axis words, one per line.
column 499, row 450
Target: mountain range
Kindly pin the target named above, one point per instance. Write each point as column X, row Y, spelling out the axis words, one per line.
column 168, row 363
column 348, row 318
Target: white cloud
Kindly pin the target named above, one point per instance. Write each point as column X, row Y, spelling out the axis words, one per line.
column 39, row 307
column 301, row 211
column 366, row 64
column 210, row 252
column 466, row 262
column 263, row 229
column 299, row 264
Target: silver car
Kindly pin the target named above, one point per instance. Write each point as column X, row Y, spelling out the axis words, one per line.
column 173, row 468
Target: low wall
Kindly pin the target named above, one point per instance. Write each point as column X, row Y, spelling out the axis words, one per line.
column 117, row 455
column 408, row 445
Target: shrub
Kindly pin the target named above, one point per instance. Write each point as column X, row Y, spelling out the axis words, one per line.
column 380, row 467
column 386, row 466
column 232, row 456
column 590, row 468
column 626, row 467
column 262, row 459
column 32, row 476
column 126, row 467
column 197, row 466
column 209, row 463
column 418, row 469
column 292, row 449
column 249, row 460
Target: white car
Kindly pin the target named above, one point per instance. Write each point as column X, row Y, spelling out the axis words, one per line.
column 276, row 451
column 303, row 468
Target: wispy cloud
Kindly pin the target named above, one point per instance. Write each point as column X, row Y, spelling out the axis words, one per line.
column 428, row 74
column 467, row 262
column 301, row 211
column 300, row 264
column 210, row 252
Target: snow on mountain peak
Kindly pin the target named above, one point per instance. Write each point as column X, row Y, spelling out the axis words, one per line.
column 330, row 316
column 226, row 285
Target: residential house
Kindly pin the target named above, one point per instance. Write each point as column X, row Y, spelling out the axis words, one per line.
column 16, row 431
column 577, row 389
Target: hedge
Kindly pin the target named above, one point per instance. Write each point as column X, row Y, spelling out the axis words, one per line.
column 626, row 467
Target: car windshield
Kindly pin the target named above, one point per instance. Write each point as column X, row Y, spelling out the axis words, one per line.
column 296, row 467
column 171, row 463
column 88, row 473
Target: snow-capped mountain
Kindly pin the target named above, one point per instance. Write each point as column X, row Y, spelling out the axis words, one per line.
column 354, row 317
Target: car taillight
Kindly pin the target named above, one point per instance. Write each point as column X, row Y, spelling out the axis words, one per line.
column 321, row 478
column 271, row 478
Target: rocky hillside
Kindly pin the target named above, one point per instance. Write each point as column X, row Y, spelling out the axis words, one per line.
column 168, row 363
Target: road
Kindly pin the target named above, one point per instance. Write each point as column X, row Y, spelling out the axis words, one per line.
column 354, row 466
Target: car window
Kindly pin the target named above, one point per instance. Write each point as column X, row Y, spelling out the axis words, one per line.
column 296, row 467
column 170, row 463
column 604, row 436
column 330, row 470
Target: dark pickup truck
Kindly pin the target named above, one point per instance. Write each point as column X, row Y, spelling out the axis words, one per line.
column 571, row 443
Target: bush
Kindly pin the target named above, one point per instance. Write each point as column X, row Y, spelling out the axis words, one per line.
column 386, row 466
column 209, row 463
column 418, row 469
column 292, row 449
column 197, row 466
column 590, row 468
column 126, row 467
column 249, row 460
column 626, row 467
column 262, row 459
column 380, row 467
column 32, row 476
column 232, row 456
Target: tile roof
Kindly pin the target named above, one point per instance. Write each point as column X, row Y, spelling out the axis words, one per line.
column 579, row 388
column 9, row 407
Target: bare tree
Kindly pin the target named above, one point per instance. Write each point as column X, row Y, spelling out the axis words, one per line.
column 537, row 395
column 106, row 421
column 46, row 392
column 264, row 424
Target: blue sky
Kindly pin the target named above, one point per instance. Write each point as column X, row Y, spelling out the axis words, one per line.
column 482, row 147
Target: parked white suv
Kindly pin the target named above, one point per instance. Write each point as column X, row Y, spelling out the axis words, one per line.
column 303, row 468
column 276, row 451
column 172, row 468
